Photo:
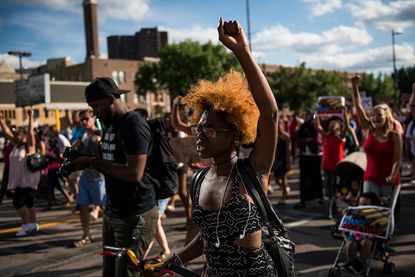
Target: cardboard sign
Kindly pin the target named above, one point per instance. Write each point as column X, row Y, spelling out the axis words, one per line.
column 367, row 220
column 328, row 106
column 32, row 91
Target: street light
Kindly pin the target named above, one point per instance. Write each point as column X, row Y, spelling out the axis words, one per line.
column 394, row 33
column 20, row 54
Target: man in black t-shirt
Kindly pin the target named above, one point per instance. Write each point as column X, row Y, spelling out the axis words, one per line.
column 130, row 215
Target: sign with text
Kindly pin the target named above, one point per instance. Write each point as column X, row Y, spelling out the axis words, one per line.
column 32, row 91
column 367, row 220
column 328, row 106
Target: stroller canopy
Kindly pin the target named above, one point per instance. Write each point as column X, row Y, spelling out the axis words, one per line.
column 352, row 165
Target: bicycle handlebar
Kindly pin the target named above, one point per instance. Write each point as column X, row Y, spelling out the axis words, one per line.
column 146, row 265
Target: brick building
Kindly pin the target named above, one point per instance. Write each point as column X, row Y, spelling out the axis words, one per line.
column 145, row 43
column 68, row 80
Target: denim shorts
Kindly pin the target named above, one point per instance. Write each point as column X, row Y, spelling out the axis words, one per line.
column 379, row 190
column 91, row 192
column 162, row 204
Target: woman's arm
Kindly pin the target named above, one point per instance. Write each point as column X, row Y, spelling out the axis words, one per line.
column 190, row 252
column 30, row 138
column 357, row 101
column 6, row 130
column 397, row 156
column 262, row 156
column 176, row 121
column 345, row 124
column 317, row 124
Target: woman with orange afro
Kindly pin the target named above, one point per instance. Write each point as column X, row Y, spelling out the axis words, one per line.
column 226, row 114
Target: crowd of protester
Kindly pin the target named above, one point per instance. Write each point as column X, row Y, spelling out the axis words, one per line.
column 304, row 140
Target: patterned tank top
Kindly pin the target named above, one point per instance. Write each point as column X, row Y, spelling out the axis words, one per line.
column 236, row 218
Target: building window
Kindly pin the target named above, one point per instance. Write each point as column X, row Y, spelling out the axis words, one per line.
column 115, row 76
column 121, row 77
column 118, row 76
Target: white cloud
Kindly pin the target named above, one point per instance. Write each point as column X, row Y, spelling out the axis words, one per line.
column 330, row 41
column 196, row 33
column 397, row 15
column 372, row 60
column 134, row 10
column 321, row 7
column 14, row 61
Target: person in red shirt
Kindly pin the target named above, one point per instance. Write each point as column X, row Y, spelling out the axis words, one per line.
column 333, row 152
column 383, row 146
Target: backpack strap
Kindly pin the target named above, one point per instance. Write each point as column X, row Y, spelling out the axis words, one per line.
column 254, row 187
column 196, row 181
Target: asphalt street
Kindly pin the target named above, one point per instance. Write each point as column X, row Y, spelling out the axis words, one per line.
column 48, row 253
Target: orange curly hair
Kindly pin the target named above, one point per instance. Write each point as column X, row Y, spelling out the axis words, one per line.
column 228, row 95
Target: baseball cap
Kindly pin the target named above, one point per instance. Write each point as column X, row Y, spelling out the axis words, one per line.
column 101, row 87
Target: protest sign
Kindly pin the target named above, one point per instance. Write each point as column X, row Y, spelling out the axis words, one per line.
column 328, row 106
column 367, row 220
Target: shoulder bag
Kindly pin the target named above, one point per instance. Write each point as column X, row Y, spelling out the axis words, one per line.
column 275, row 237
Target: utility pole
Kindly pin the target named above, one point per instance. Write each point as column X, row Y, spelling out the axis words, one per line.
column 249, row 24
column 395, row 83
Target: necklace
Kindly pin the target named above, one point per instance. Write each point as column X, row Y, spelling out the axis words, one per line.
column 223, row 162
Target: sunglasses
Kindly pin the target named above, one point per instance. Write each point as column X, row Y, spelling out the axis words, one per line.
column 84, row 119
column 209, row 132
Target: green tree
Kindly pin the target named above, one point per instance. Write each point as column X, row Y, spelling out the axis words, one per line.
column 183, row 64
column 146, row 78
column 405, row 79
column 300, row 87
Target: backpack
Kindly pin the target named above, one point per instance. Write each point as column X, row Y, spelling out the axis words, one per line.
column 162, row 162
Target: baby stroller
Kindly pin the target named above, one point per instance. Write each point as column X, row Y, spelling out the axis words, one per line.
column 375, row 221
column 350, row 171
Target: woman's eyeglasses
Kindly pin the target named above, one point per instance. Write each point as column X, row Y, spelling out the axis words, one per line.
column 209, row 132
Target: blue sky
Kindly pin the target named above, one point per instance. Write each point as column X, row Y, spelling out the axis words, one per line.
column 347, row 35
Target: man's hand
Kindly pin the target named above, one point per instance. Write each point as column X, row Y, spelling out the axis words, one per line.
column 232, row 35
column 82, row 163
column 29, row 112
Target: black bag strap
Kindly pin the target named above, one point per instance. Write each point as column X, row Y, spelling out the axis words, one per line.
column 254, row 187
column 196, row 181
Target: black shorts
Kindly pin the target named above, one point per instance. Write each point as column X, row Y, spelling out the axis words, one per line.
column 23, row 197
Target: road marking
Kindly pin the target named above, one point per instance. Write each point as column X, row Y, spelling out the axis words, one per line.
column 299, row 222
column 46, row 224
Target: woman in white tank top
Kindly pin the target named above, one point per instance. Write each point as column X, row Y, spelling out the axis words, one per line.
column 23, row 181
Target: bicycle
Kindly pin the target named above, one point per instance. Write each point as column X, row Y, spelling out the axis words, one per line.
column 146, row 266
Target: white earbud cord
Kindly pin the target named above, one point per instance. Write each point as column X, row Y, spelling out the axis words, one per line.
column 217, row 244
column 241, row 236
